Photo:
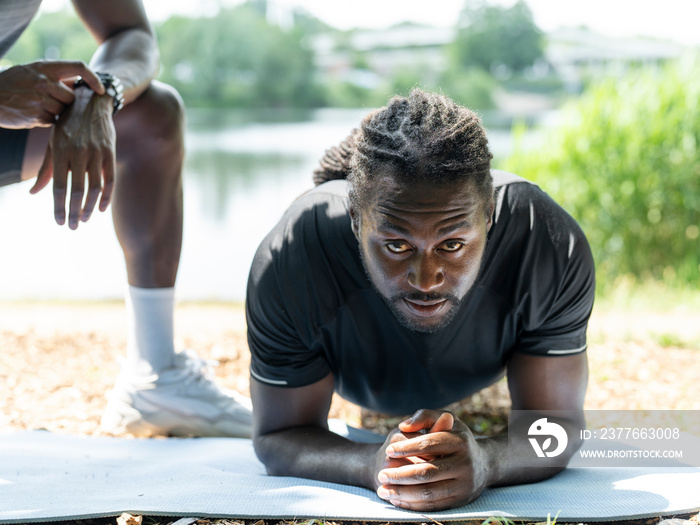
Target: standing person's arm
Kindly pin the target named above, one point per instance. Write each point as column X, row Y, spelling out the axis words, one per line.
column 33, row 95
column 83, row 140
column 128, row 47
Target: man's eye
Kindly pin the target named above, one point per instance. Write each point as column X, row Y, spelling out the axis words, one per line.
column 397, row 247
column 452, row 246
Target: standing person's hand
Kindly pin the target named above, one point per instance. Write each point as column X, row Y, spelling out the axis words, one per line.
column 437, row 465
column 83, row 142
column 34, row 95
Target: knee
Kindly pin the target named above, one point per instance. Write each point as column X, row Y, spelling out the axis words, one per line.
column 155, row 121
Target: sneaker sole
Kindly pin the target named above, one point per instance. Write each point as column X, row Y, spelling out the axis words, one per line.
column 121, row 418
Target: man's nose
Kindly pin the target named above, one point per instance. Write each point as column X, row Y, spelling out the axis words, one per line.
column 426, row 273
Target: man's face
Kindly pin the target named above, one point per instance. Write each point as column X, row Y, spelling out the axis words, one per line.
column 422, row 248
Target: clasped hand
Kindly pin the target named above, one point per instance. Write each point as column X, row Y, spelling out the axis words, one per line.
column 83, row 138
column 432, row 462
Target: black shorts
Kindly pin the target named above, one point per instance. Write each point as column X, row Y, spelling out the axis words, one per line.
column 13, row 142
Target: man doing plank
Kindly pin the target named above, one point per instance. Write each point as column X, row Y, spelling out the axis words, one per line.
column 419, row 280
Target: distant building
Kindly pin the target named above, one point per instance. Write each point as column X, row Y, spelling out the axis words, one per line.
column 579, row 53
column 364, row 56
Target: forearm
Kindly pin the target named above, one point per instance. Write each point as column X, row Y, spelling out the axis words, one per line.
column 316, row 453
column 132, row 56
column 507, row 460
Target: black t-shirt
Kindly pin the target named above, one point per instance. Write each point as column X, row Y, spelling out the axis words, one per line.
column 311, row 309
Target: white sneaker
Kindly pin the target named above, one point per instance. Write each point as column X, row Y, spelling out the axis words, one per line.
column 180, row 401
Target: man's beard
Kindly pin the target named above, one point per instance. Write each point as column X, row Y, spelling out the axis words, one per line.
column 445, row 319
column 393, row 304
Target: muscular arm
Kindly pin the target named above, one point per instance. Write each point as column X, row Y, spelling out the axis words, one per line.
column 83, row 141
column 127, row 44
column 542, row 384
column 433, row 461
column 291, row 437
column 460, row 467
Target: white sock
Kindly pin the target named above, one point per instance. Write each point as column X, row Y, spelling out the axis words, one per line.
column 149, row 343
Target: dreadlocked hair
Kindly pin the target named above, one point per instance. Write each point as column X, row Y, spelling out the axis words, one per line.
column 335, row 163
column 425, row 137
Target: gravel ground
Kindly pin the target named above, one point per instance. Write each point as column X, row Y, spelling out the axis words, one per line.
column 57, row 360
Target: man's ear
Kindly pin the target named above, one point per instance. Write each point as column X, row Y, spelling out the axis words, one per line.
column 355, row 222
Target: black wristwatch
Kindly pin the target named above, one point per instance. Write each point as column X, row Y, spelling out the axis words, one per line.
column 113, row 87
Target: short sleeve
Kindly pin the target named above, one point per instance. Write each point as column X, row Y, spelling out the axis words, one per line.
column 551, row 271
column 281, row 352
column 564, row 322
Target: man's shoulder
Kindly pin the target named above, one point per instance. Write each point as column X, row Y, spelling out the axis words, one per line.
column 306, row 267
column 318, row 215
column 519, row 202
column 532, row 232
column 313, row 236
column 331, row 198
column 504, row 178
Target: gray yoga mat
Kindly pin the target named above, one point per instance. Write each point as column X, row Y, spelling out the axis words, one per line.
column 47, row 476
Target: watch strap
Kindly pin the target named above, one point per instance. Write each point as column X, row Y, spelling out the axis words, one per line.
column 113, row 87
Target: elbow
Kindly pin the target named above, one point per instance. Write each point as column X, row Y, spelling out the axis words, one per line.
column 265, row 447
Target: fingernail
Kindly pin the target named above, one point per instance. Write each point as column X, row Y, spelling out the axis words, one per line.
column 409, row 421
column 390, row 451
column 383, row 493
column 383, row 478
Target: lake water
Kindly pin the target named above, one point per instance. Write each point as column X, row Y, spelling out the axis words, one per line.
column 242, row 170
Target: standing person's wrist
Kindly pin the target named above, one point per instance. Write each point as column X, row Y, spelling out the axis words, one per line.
column 113, row 88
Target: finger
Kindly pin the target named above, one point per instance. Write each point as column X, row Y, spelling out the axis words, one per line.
column 427, row 497
column 77, row 193
column 403, row 436
column 94, row 188
column 109, row 168
column 421, row 420
column 433, row 444
column 52, row 107
column 418, row 473
column 444, row 423
column 45, row 172
column 60, row 180
column 60, row 69
column 60, row 92
column 45, row 120
column 392, row 463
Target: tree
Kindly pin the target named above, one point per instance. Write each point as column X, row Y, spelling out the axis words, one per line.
column 490, row 36
column 237, row 58
column 625, row 162
column 53, row 36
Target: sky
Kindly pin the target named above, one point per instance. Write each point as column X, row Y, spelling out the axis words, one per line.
column 668, row 19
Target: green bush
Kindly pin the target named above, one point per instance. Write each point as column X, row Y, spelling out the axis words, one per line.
column 625, row 162
column 52, row 36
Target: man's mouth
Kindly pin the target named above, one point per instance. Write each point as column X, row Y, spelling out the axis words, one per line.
column 425, row 308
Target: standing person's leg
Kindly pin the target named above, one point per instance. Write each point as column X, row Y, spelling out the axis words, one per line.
column 159, row 391
column 148, row 216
